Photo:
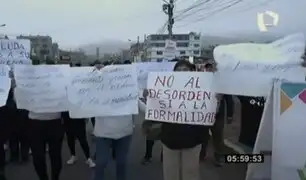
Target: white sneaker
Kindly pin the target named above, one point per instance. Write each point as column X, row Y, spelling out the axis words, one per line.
column 72, row 160
column 90, row 163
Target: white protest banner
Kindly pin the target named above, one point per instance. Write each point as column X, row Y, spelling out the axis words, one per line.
column 15, row 51
column 181, row 97
column 248, row 68
column 111, row 91
column 143, row 70
column 5, row 84
column 41, row 88
column 253, row 79
column 289, row 147
column 288, row 50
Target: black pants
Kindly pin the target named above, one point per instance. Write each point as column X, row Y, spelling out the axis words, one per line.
column 93, row 121
column 47, row 132
column 2, row 158
column 18, row 141
column 76, row 129
column 217, row 131
column 149, row 149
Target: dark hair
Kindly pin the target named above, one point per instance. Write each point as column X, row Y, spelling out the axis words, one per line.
column 106, row 63
column 180, row 63
column 116, row 62
column 127, row 62
column 96, row 62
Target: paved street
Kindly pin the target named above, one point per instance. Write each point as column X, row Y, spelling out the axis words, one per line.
column 137, row 171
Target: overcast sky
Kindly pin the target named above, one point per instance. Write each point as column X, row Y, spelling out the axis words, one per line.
column 76, row 22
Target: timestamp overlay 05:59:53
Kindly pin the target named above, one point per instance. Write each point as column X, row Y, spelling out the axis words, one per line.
column 244, row 158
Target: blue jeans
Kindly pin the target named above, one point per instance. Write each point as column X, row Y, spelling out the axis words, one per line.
column 104, row 154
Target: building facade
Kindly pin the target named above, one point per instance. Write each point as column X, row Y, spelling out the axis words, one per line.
column 72, row 57
column 41, row 47
column 186, row 45
column 138, row 52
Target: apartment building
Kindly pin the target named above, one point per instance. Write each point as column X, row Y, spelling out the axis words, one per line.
column 186, row 45
column 72, row 57
column 41, row 47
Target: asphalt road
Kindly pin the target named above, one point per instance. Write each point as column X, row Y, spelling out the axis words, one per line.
column 153, row 171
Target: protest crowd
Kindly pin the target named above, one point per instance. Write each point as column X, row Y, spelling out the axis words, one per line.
column 179, row 107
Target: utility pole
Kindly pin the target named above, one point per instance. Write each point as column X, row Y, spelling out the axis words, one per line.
column 138, row 47
column 168, row 8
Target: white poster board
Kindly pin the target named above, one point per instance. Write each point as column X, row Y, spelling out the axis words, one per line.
column 252, row 79
column 41, row 88
column 143, row 70
column 249, row 69
column 15, row 51
column 181, row 97
column 287, row 50
column 5, row 84
column 111, row 91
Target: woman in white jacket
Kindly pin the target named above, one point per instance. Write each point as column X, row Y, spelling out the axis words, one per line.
column 113, row 133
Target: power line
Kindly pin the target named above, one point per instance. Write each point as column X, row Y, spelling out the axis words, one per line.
column 232, row 3
column 254, row 5
column 198, row 3
column 210, row 6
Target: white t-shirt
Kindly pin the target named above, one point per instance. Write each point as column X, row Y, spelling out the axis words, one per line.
column 114, row 127
column 44, row 116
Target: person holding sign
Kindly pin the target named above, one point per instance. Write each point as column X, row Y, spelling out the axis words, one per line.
column 76, row 129
column 113, row 134
column 46, row 129
column 182, row 143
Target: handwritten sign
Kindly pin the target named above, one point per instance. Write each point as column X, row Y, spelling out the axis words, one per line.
column 254, row 79
column 111, row 91
column 288, row 50
column 41, row 88
column 248, row 69
column 181, row 97
column 5, row 84
column 15, row 51
column 143, row 70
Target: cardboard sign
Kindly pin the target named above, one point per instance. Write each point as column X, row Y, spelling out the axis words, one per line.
column 181, row 97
